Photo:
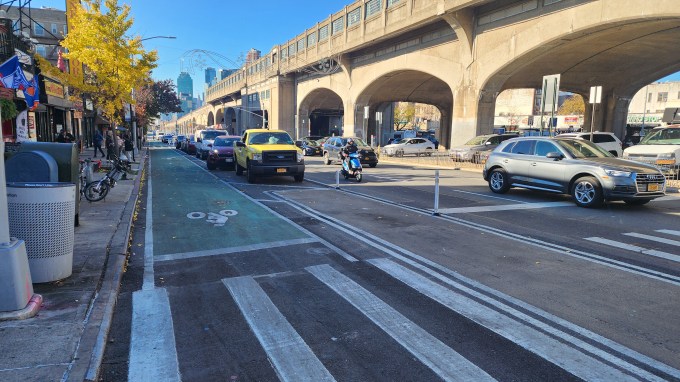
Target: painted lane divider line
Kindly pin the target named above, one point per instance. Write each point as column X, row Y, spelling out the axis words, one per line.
column 504, row 207
column 288, row 353
column 149, row 281
column 578, row 362
column 444, row 361
column 635, row 248
column 669, row 232
column 153, row 356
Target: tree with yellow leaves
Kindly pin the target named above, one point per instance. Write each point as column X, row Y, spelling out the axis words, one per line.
column 114, row 62
column 573, row 105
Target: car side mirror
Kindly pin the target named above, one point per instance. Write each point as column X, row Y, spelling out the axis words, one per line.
column 298, row 143
column 240, row 144
column 198, row 140
column 554, row 155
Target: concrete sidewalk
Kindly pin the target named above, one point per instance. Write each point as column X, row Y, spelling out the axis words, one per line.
column 65, row 341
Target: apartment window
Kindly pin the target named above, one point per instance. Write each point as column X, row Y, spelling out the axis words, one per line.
column 311, row 39
column 38, row 29
column 40, row 49
column 338, row 25
column 662, row 97
column 291, row 50
column 372, row 7
column 301, row 45
column 323, row 33
column 649, row 97
column 54, row 29
column 678, row 95
column 65, row 29
column 353, row 17
column 268, row 94
column 392, row 2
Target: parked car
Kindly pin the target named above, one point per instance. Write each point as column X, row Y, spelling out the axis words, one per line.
column 167, row 138
column 471, row 150
column 607, row 141
column 189, row 145
column 659, row 147
column 222, row 152
column 332, row 147
column 408, row 146
column 309, row 147
column 204, row 141
column 179, row 140
column 571, row 166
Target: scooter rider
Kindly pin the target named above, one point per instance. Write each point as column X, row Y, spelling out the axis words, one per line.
column 349, row 148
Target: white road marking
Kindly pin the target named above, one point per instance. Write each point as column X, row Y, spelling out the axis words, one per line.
column 669, row 232
column 149, row 281
column 635, row 248
column 504, row 207
column 573, row 360
column 153, row 356
column 654, row 238
column 288, row 353
column 228, row 250
column 443, row 360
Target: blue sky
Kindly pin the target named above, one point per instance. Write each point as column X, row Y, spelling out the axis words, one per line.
column 229, row 28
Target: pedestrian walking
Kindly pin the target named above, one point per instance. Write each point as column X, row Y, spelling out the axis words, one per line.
column 110, row 145
column 97, row 141
column 65, row 137
column 129, row 147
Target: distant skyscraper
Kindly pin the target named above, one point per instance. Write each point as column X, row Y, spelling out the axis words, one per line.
column 253, row 55
column 224, row 73
column 185, row 85
column 210, row 75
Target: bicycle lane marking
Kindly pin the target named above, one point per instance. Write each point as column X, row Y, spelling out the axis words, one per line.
column 193, row 211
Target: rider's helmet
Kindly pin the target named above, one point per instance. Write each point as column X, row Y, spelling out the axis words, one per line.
column 350, row 141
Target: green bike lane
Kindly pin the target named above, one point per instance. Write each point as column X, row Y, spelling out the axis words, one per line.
column 193, row 211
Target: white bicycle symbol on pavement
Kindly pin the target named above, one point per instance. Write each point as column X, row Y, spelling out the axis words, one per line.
column 217, row 220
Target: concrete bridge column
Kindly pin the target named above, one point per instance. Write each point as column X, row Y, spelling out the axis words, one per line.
column 617, row 114
column 472, row 114
column 352, row 119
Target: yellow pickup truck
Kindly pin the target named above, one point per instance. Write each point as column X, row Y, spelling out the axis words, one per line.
column 263, row 152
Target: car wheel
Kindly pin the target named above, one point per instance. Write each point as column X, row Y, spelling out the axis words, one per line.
column 637, row 202
column 210, row 166
column 428, row 152
column 326, row 158
column 239, row 169
column 399, row 153
column 498, row 181
column 250, row 175
column 299, row 178
column 372, row 165
column 587, row 192
column 359, row 177
column 196, row 154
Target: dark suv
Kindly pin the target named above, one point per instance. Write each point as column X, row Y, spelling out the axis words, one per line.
column 332, row 147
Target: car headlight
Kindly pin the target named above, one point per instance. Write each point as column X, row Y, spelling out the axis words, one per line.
column 300, row 156
column 666, row 158
column 618, row 173
column 257, row 157
column 215, row 152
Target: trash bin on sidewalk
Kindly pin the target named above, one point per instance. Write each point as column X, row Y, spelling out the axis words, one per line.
column 41, row 214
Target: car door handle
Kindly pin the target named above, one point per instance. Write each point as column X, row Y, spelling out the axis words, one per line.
column 533, row 163
column 505, row 161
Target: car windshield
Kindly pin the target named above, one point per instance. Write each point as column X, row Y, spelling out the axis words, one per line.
column 270, row 138
column 311, row 143
column 669, row 136
column 477, row 141
column 579, row 148
column 212, row 134
column 357, row 141
column 225, row 141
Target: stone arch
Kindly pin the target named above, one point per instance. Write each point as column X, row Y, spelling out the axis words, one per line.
column 402, row 86
column 320, row 112
column 219, row 117
column 622, row 50
column 211, row 119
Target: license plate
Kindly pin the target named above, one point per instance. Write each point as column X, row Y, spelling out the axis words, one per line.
column 228, row 159
column 279, row 170
column 665, row 161
column 652, row 187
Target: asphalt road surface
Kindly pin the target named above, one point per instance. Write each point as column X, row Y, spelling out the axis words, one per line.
column 230, row 281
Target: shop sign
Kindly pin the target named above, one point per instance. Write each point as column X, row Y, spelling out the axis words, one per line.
column 78, row 114
column 88, row 104
column 54, row 89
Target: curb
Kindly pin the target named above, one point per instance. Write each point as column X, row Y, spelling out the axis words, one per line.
column 97, row 328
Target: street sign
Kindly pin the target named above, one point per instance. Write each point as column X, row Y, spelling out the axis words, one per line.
column 550, row 92
column 595, row 94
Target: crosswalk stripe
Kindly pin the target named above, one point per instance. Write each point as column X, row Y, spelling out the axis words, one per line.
column 573, row 360
column 291, row 357
column 635, row 248
column 441, row 359
column 503, row 207
column 654, row 238
column 669, row 232
column 153, row 356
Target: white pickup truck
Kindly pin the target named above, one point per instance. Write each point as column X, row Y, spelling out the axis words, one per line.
column 204, row 141
column 660, row 147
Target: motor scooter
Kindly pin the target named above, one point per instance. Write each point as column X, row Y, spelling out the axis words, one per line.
column 351, row 168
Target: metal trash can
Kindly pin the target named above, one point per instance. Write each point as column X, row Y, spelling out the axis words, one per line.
column 41, row 214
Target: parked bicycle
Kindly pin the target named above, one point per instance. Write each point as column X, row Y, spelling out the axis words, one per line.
column 97, row 190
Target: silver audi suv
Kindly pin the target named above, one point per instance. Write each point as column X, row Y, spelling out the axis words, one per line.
column 571, row 166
